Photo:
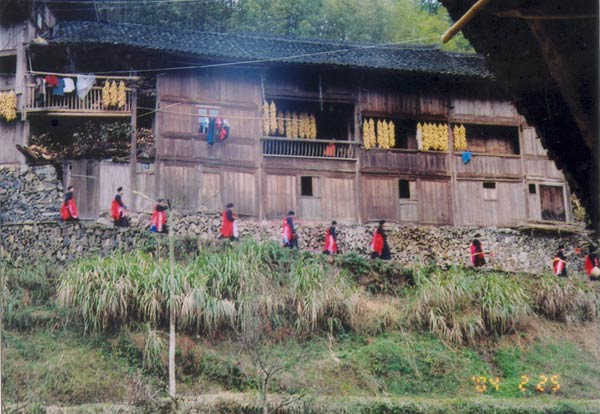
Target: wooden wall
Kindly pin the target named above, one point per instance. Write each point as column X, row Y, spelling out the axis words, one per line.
column 210, row 191
column 180, row 182
column 239, row 188
column 110, row 177
column 11, row 36
column 338, row 199
column 84, row 175
column 434, row 201
column 280, row 194
column 11, row 135
column 483, row 111
column 489, row 165
column 478, row 206
column 393, row 102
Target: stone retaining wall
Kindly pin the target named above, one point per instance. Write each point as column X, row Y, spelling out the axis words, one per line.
column 31, row 231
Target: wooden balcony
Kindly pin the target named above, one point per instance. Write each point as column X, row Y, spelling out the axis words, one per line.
column 308, row 148
column 404, row 161
column 70, row 105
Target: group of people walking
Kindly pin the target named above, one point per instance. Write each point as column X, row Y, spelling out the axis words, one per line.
column 379, row 248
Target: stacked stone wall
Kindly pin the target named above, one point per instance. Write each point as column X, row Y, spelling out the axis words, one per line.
column 31, row 231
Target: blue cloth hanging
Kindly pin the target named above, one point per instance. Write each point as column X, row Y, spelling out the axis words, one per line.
column 466, row 157
column 59, row 90
column 211, row 131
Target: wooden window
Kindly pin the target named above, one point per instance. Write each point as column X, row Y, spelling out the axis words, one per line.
column 204, row 114
column 493, row 139
column 532, row 189
column 404, row 189
column 552, row 203
column 306, row 187
column 489, row 191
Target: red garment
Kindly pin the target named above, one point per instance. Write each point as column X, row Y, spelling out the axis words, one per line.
column 68, row 210
column 159, row 219
column 116, row 210
column 558, row 265
column 331, row 243
column 477, row 257
column 287, row 231
column 377, row 243
column 226, row 225
column 590, row 264
column 51, row 81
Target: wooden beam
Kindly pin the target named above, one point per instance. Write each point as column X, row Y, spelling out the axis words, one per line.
column 133, row 78
column 465, row 18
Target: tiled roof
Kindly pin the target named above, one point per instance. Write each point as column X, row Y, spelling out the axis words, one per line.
column 238, row 47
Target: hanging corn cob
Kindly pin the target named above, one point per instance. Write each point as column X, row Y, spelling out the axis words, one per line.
column 106, row 95
column 445, row 138
column 288, row 124
column 313, row 127
column 114, row 94
column 378, row 133
column 272, row 118
column 8, row 105
column 294, row 125
column 391, row 134
column 121, row 95
column 369, row 139
column 280, row 123
column 265, row 117
column 460, row 138
column 302, row 130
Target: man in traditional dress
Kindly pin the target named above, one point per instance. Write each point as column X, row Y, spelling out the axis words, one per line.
column 118, row 210
column 68, row 210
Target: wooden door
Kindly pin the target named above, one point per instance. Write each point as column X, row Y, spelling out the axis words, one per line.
column 552, row 203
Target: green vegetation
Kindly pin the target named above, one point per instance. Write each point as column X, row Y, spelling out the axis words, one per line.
column 95, row 332
column 377, row 21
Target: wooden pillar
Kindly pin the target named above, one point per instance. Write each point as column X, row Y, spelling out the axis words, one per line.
column 358, row 179
column 133, row 151
column 453, row 202
column 157, row 141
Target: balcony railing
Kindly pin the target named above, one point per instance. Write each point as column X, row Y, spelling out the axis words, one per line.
column 308, row 148
column 70, row 103
column 404, row 161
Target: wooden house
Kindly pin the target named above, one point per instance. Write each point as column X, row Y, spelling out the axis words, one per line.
column 302, row 117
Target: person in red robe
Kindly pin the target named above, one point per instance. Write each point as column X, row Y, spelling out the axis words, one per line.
column 158, row 222
column 290, row 238
column 118, row 210
column 68, row 210
column 331, row 247
column 559, row 264
column 592, row 264
column 379, row 246
column 477, row 255
column 228, row 224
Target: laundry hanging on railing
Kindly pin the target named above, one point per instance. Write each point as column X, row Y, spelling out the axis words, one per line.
column 84, row 85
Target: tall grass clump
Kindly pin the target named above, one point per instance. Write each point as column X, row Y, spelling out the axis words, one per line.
column 301, row 291
column 565, row 300
column 461, row 306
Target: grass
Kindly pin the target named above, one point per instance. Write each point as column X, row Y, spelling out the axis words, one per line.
column 372, row 330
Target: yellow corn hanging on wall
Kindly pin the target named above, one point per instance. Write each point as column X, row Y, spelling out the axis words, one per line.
column 8, row 105
column 121, row 95
column 106, row 95
column 313, row 127
column 445, row 146
column 288, row 125
column 369, row 139
column 433, row 136
column 114, row 94
column 379, row 134
column 302, row 126
column 266, row 122
column 280, row 123
column 460, row 138
column 391, row 134
column 272, row 118
column 294, row 125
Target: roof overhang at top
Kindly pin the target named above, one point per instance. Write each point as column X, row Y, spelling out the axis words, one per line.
column 257, row 49
column 63, row 10
column 544, row 53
